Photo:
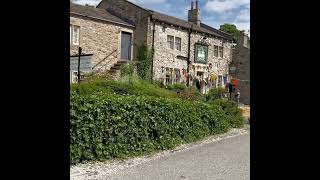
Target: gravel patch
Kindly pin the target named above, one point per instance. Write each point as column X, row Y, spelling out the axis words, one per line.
column 100, row 170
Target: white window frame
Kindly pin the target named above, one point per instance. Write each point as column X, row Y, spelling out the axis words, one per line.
column 180, row 45
column 78, row 35
column 72, row 30
column 70, row 34
column 169, row 45
column 220, row 54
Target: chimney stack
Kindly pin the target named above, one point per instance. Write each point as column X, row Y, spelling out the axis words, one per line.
column 194, row 14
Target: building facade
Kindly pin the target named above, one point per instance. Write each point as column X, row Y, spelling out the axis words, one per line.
column 241, row 62
column 102, row 34
column 187, row 52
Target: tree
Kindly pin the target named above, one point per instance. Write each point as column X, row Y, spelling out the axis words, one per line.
column 231, row 29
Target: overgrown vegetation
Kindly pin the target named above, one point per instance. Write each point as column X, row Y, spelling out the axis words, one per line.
column 180, row 87
column 105, row 126
column 134, row 116
column 216, row 93
column 144, row 64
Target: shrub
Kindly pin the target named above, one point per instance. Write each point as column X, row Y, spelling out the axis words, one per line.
column 192, row 94
column 144, row 58
column 127, row 70
column 179, row 87
column 216, row 93
column 133, row 86
column 111, row 126
column 233, row 112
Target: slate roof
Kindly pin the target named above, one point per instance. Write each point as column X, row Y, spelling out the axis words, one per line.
column 185, row 24
column 96, row 13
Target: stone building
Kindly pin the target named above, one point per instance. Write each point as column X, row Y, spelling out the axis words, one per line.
column 185, row 51
column 241, row 62
column 102, row 34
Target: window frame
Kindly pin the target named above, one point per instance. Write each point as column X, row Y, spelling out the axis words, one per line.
column 177, row 76
column 216, row 51
column 73, row 35
column 180, row 44
column 220, row 52
column 169, row 45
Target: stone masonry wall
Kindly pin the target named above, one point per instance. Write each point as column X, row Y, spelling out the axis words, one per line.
column 219, row 65
column 241, row 57
column 166, row 57
column 133, row 14
column 102, row 39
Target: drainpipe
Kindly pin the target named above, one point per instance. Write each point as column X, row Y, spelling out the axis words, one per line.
column 152, row 49
column 188, row 62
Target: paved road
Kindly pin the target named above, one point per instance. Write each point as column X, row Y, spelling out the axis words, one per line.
column 228, row 159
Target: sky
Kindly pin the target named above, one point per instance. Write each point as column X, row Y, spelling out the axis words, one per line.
column 213, row 12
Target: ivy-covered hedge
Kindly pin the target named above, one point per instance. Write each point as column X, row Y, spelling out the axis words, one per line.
column 105, row 126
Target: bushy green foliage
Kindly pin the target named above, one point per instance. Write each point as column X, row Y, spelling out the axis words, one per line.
column 127, row 70
column 144, row 64
column 118, row 119
column 232, row 110
column 134, row 86
column 192, row 94
column 231, row 29
column 111, row 126
column 179, row 87
column 216, row 93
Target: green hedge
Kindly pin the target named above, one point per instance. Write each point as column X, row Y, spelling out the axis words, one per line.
column 123, row 87
column 105, row 126
column 232, row 111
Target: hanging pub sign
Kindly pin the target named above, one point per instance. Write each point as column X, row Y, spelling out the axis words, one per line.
column 85, row 62
column 201, row 53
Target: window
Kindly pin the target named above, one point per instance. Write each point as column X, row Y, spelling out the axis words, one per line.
column 178, row 44
column 168, row 75
column 70, row 34
column 245, row 41
column 215, row 52
column 75, row 35
column 177, row 76
column 170, row 42
column 163, row 28
column 220, row 51
column 126, row 39
column 219, row 80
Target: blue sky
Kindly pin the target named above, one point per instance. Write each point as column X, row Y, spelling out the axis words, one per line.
column 213, row 12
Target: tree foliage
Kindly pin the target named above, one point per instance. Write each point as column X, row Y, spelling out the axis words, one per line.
column 231, row 29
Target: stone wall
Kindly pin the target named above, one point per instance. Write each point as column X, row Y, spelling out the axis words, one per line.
column 166, row 57
column 241, row 57
column 132, row 14
column 100, row 38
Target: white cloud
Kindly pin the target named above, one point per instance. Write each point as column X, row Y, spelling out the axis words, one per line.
column 148, row 1
column 90, row 2
column 243, row 16
column 220, row 6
